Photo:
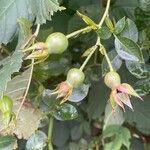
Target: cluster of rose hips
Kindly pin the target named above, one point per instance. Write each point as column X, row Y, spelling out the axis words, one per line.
column 57, row 43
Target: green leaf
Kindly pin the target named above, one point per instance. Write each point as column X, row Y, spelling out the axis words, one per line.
column 128, row 49
column 17, row 86
column 98, row 96
column 13, row 63
column 8, row 67
column 37, row 141
column 140, row 117
column 78, row 3
column 104, row 33
column 25, row 30
column 144, row 5
column 123, row 8
column 113, row 116
column 76, row 132
column 88, row 51
column 139, row 70
column 142, row 87
column 119, row 26
column 87, row 20
column 121, row 136
column 93, row 73
column 66, row 112
column 137, row 144
column 130, row 31
column 83, row 144
column 56, row 66
column 61, row 133
column 92, row 11
column 79, row 94
column 115, row 61
column 8, row 142
column 87, row 127
column 11, row 10
column 73, row 146
column 43, row 10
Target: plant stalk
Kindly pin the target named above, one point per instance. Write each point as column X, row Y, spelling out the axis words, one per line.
column 50, row 129
column 84, row 30
column 105, row 14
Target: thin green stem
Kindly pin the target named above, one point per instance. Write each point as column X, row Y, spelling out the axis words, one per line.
column 88, row 58
column 50, row 129
column 31, row 72
column 84, row 30
column 108, row 61
column 105, row 14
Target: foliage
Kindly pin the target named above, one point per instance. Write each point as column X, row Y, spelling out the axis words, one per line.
column 50, row 110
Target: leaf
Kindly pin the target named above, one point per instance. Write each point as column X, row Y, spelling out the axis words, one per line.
column 88, row 51
column 12, row 64
column 140, row 117
column 87, row 20
column 83, row 144
column 43, row 10
column 123, row 8
column 61, row 133
column 142, row 87
column 115, row 61
column 66, row 112
column 97, row 100
column 93, row 73
column 8, row 142
column 25, row 30
column 113, row 116
column 92, row 11
column 137, row 144
column 78, row 3
column 119, row 26
column 128, row 49
column 87, row 127
column 11, row 10
column 130, row 31
column 139, row 70
column 17, row 86
column 24, row 126
column 53, row 67
column 8, row 67
column 144, row 5
column 121, row 136
column 104, row 33
column 79, row 94
column 37, row 141
column 76, row 132
column 73, row 146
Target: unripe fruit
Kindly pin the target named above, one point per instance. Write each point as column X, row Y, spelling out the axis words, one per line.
column 57, row 43
column 112, row 79
column 75, row 77
column 6, row 104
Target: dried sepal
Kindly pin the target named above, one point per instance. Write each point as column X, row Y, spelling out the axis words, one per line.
column 63, row 91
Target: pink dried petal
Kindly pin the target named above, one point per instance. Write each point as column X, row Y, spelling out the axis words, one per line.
column 125, row 99
column 126, row 88
column 116, row 99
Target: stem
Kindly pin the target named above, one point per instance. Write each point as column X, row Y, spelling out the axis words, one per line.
column 108, row 61
column 27, row 89
column 89, row 56
column 50, row 128
column 86, row 29
column 31, row 72
column 105, row 14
